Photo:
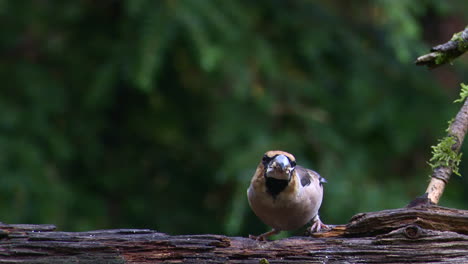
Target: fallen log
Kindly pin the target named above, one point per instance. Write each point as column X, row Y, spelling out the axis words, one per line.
column 424, row 234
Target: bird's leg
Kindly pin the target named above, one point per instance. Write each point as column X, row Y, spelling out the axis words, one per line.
column 263, row 236
column 317, row 225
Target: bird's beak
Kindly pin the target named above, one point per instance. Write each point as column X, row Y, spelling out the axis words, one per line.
column 279, row 168
column 281, row 161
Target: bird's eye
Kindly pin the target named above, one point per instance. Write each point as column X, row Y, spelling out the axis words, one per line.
column 293, row 164
column 266, row 159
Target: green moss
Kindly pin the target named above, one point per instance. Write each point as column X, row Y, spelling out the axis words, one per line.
column 263, row 261
column 444, row 156
column 463, row 93
column 462, row 44
column 449, row 124
column 442, row 58
column 457, row 36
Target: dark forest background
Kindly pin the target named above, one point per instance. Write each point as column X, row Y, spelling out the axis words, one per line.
column 154, row 114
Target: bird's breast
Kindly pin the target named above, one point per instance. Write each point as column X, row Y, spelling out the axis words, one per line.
column 290, row 209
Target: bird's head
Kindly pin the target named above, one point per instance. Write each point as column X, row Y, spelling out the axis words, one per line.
column 278, row 164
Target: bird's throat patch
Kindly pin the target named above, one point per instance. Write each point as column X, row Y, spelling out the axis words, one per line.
column 275, row 186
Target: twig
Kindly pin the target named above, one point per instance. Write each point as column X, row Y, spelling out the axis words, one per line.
column 446, row 52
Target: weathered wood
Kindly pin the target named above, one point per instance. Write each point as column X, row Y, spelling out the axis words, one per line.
column 426, row 217
column 427, row 234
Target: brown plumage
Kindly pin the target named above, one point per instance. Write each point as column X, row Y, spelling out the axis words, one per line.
column 284, row 195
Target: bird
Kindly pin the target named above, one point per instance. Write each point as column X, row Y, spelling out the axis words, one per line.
column 285, row 196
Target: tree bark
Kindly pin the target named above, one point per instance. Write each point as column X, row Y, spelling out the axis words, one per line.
column 425, row 234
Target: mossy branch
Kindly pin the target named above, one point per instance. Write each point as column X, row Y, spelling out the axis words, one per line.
column 463, row 93
column 447, row 52
column 446, row 155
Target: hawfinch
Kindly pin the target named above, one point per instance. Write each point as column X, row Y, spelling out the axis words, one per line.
column 284, row 195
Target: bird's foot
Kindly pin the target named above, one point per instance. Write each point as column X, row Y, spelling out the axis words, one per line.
column 264, row 236
column 317, row 225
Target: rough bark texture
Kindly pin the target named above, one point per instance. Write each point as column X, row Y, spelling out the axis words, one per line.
column 446, row 52
column 425, row 234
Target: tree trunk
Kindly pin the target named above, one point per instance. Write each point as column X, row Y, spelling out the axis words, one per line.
column 425, row 234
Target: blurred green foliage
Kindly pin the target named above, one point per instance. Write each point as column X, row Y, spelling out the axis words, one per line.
column 154, row 114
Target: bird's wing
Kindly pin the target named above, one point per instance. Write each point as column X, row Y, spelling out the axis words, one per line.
column 306, row 176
